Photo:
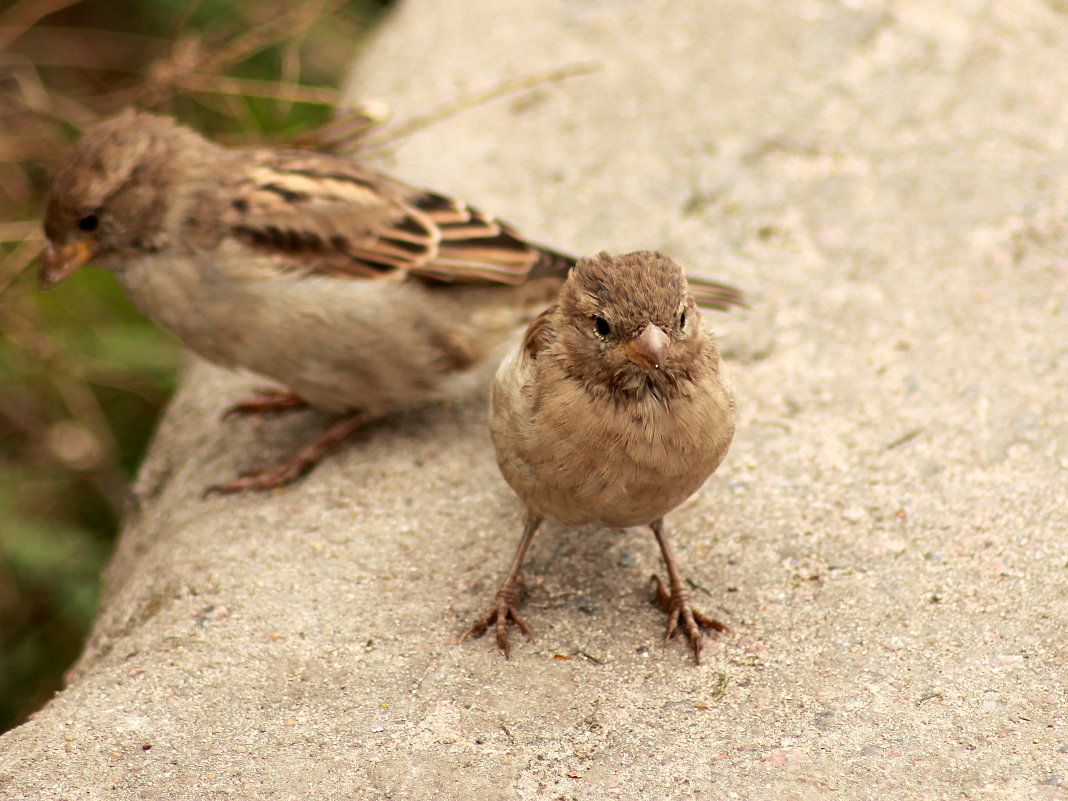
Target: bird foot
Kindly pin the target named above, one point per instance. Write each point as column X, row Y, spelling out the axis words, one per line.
column 258, row 479
column 681, row 615
column 266, row 401
column 261, row 479
column 503, row 609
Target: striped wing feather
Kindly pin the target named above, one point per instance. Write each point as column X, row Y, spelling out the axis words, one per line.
column 326, row 215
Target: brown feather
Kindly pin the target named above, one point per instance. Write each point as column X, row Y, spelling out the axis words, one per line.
column 326, row 215
column 307, row 212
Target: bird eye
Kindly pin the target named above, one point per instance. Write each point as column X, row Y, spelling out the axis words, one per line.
column 682, row 319
column 602, row 326
column 89, row 222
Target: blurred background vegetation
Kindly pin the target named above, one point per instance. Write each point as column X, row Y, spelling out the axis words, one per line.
column 82, row 375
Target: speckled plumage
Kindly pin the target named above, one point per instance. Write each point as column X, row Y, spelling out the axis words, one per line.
column 359, row 293
column 589, row 428
column 300, row 266
column 583, row 434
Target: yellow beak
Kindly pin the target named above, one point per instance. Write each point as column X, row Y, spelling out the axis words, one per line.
column 649, row 349
column 58, row 263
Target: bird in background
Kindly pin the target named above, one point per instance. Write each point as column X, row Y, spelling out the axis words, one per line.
column 615, row 409
column 359, row 294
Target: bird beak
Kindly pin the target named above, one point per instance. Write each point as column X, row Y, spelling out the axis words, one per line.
column 649, row 349
column 58, row 263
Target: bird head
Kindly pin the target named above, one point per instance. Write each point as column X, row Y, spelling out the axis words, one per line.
column 112, row 192
column 628, row 322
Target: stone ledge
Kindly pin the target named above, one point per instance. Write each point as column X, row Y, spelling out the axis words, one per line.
column 886, row 538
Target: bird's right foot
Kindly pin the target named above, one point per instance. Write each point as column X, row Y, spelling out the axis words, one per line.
column 503, row 609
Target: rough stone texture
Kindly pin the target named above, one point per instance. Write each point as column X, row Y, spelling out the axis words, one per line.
column 887, row 537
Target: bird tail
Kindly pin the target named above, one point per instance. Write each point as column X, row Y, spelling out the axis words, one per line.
column 716, row 295
column 552, row 262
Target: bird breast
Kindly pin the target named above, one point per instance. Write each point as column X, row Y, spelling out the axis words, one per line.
column 340, row 344
column 579, row 457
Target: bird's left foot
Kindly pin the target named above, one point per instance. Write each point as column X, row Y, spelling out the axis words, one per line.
column 681, row 615
column 267, row 477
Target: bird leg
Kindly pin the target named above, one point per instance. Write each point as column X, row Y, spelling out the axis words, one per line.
column 507, row 600
column 266, row 401
column 278, row 475
column 675, row 599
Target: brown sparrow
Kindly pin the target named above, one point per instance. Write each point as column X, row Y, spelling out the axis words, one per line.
column 614, row 410
column 358, row 293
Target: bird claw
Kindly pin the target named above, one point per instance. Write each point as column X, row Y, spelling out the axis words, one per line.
column 676, row 604
column 503, row 609
column 260, row 479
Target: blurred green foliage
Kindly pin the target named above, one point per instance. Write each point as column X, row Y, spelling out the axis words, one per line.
column 82, row 375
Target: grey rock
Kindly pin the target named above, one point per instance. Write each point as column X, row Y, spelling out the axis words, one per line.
column 888, row 181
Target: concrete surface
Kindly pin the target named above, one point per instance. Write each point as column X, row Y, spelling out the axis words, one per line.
column 887, row 537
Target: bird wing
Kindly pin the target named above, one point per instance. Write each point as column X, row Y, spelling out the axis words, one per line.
column 326, row 215
column 539, row 333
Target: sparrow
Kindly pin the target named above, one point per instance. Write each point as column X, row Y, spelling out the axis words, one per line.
column 615, row 409
column 357, row 293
